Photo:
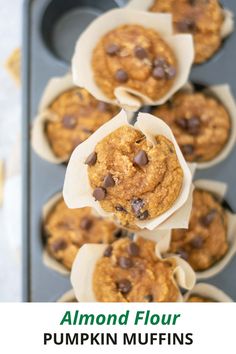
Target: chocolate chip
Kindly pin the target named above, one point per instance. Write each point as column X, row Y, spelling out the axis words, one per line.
column 148, row 298
column 121, row 75
column 159, row 61
column 143, row 216
column 140, row 52
column 182, row 122
column 108, row 181
column 182, row 253
column 197, row 242
column 125, row 262
column 124, row 286
column 108, row 251
column 99, row 193
column 91, row 159
column 133, row 249
column 137, row 204
column 87, row 131
column 86, row 223
column 170, row 72
column 118, row 233
column 207, row 219
column 69, row 122
column 59, row 245
column 186, row 25
column 141, row 158
column 112, row 49
column 102, row 106
column 158, row 72
column 187, row 149
column 192, row 2
column 193, row 125
column 119, row 207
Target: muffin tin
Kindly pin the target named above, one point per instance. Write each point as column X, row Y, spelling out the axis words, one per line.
column 51, row 28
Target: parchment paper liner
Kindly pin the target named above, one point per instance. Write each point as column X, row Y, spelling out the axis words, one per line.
column 181, row 44
column 39, row 140
column 219, row 190
column 227, row 26
column 224, row 94
column 69, row 296
column 88, row 255
column 208, row 291
column 77, row 191
column 48, row 259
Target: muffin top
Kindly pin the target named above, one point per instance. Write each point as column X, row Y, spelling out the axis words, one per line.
column 73, row 116
column 200, row 123
column 131, row 272
column 197, row 298
column 205, row 241
column 135, row 57
column 66, row 230
column 132, row 178
column 201, row 18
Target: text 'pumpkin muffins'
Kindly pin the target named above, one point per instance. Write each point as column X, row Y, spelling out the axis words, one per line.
column 66, row 230
column 202, row 292
column 68, row 115
column 136, row 174
column 206, row 21
column 129, row 271
column 132, row 58
column 209, row 242
column 203, row 123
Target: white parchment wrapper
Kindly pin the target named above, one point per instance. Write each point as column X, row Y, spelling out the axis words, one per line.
column 208, row 291
column 48, row 260
column 219, row 190
column 226, row 29
column 181, row 44
column 55, row 87
column 85, row 263
column 69, row 296
column 77, row 191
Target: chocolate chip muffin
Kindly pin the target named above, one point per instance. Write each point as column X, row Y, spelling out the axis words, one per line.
column 73, row 117
column 132, row 178
column 131, row 272
column 205, row 241
column 200, row 123
column 134, row 57
column 197, row 298
column 66, row 230
column 201, row 18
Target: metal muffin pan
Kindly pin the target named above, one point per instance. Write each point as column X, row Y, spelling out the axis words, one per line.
column 50, row 30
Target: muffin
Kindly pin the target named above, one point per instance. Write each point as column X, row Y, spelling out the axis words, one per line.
column 66, row 230
column 205, row 241
column 73, row 116
column 203, row 19
column 134, row 57
column 131, row 272
column 132, row 178
column 200, row 123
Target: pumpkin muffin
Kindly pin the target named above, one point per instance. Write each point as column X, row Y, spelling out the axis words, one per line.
column 201, row 18
column 73, row 117
column 131, row 272
column 134, row 57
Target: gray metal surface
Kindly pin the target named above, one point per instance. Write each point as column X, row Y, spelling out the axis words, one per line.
column 51, row 28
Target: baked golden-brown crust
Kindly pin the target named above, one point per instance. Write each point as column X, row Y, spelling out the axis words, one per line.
column 205, row 241
column 197, row 298
column 145, row 180
column 73, row 117
column 135, row 57
column 200, row 123
column 67, row 230
column 131, row 272
column 202, row 18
